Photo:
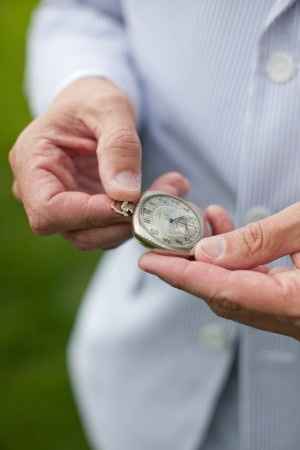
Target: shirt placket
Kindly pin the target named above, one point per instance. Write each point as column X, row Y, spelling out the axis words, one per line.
column 269, row 182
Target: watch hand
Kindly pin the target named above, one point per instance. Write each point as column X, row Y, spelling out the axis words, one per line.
column 186, row 224
column 181, row 219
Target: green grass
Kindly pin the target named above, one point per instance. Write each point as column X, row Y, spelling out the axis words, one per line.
column 41, row 284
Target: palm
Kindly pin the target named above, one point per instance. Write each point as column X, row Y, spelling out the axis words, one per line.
column 263, row 297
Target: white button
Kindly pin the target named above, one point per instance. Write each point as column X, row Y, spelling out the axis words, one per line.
column 256, row 213
column 281, row 67
column 214, row 336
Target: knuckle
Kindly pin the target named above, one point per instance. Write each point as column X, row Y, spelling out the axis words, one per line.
column 39, row 224
column 23, row 141
column 223, row 305
column 125, row 141
column 44, row 147
column 220, row 312
column 41, row 218
column 290, row 291
column 254, row 238
column 15, row 151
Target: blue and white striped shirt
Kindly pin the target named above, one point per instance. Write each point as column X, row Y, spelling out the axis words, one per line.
column 216, row 87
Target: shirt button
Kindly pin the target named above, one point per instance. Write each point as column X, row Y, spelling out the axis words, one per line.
column 281, row 67
column 256, row 213
column 214, row 336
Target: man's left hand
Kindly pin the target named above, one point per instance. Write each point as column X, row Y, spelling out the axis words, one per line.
column 230, row 275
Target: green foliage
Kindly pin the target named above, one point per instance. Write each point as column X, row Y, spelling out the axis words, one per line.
column 41, row 283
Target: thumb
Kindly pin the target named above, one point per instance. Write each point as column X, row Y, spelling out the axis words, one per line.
column 255, row 244
column 119, row 151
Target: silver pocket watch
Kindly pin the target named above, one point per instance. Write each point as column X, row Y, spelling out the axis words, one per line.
column 165, row 223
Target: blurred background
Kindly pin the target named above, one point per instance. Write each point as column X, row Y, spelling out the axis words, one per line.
column 41, row 284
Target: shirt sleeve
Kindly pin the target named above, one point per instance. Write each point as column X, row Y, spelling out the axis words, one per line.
column 71, row 39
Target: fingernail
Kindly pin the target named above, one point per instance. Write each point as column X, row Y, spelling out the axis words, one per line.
column 211, row 247
column 128, row 180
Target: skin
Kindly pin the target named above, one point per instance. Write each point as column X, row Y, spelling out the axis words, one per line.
column 235, row 282
column 67, row 165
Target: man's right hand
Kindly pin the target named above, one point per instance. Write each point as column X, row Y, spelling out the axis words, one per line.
column 69, row 163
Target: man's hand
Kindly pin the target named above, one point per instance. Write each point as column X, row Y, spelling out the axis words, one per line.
column 69, row 163
column 268, row 299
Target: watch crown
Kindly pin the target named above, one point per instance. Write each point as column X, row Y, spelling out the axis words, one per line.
column 124, row 208
column 127, row 208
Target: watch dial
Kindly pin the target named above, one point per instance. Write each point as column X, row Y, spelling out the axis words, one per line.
column 170, row 221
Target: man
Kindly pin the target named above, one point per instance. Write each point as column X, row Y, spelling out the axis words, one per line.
column 212, row 88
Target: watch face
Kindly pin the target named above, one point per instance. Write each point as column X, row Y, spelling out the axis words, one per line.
column 170, row 221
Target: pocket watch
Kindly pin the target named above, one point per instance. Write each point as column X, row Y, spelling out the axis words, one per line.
column 165, row 223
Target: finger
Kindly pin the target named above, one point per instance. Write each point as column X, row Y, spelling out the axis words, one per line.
column 119, row 151
column 228, row 290
column 100, row 238
column 255, row 244
column 277, row 270
column 233, row 307
column 219, row 219
column 262, row 269
column 266, row 322
column 296, row 259
column 67, row 211
column 52, row 203
column 173, row 183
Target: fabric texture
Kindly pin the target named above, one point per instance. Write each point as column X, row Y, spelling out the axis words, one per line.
column 147, row 370
column 223, row 433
